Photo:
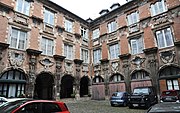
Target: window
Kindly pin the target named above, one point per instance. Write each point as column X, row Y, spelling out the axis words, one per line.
column 114, row 51
column 172, row 85
column 84, row 55
column 164, row 38
column 116, row 78
column 18, row 39
column 84, row 33
column 48, row 17
column 133, row 18
column 68, row 51
column 97, row 56
column 23, row 6
column 112, row 26
column 98, row 79
column 158, row 7
column 68, row 25
column 47, row 46
column 137, row 45
column 140, row 75
column 96, row 33
column 14, row 85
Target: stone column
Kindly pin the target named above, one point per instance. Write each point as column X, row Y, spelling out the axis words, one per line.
column 33, row 54
column 58, row 74
column 152, row 65
column 105, row 72
column 77, row 77
column 126, row 70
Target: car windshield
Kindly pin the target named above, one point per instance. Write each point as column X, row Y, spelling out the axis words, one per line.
column 9, row 106
column 118, row 94
column 169, row 93
column 141, row 91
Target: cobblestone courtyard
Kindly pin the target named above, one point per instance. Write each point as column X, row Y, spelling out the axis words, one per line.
column 92, row 106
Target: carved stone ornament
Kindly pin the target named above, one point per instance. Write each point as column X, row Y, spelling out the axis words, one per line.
column 137, row 60
column 167, row 56
column 16, row 59
column 68, row 67
column 97, row 70
column 115, row 67
column 46, row 62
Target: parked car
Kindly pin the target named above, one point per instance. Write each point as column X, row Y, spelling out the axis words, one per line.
column 3, row 100
column 165, row 107
column 143, row 97
column 119, row 98
column 34, row 106
column 170, row 96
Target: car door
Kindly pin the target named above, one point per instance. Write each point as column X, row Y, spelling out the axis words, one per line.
column 35, row 107
column 50, row 107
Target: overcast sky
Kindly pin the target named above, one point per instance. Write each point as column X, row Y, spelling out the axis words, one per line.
column 87, row 8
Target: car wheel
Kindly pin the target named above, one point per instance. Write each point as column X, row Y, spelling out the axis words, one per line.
column 124, row 104
column 130, row 106
column 148, row 104
column 112, row 105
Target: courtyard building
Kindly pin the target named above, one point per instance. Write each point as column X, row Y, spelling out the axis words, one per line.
column 48, row 52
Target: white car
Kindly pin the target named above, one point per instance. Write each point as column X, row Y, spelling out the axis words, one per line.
column 3, row 100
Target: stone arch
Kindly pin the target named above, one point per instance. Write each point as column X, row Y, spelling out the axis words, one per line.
column 67, row 83
column 44, row 86
column 139, row 78
column 13, row 83
column 84, row 86
column 169, row 77
column 136, row 74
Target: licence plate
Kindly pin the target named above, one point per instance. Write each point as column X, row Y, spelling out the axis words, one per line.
column 135, row 105
column 168, row 99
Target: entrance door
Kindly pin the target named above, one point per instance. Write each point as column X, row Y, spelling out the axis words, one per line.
column 66, row 86
column 84, row 86
column 44, row 86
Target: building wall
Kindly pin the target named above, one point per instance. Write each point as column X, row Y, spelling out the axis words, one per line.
column 152, row 62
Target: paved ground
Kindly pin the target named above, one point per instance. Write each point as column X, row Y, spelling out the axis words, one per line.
column 92, row 106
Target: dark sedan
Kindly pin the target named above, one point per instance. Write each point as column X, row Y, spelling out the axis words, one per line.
column 165, row 107
column 33, row 106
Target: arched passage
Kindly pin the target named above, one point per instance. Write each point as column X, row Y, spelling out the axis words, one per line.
column 12, row 83
column 44, row 86
column 169, row 78
column 140, row 78
column 67, row 86
column 84, row 83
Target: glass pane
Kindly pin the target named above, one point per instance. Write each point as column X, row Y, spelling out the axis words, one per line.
column 169, row 84
column 160, row 39
column 22, row 39
column 12, row 90
column 168, row 37
column 26, row 7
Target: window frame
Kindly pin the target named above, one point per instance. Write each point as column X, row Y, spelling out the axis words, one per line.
column 133, row 18
column 96, row 33
column 164, row 38
column 116, row 49
column 50, row 15
column 68, row 25
column 18, row 39
column 112, row 26
column 97, row 58
column 47, row 42
column 68, row 51
column 155, row 7
column 84, row 55
column 23, row 7
column 139, row 43
column 84, row 33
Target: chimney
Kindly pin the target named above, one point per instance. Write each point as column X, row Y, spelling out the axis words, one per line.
column 115, row 6
column 103, row 11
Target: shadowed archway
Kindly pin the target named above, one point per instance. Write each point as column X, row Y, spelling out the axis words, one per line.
column 84, row 83
column 44, row 86
column 66, row 86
